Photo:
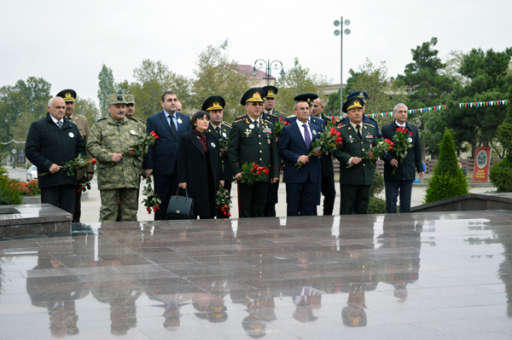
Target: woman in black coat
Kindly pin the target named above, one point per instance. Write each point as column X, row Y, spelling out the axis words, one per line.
column 199, row 167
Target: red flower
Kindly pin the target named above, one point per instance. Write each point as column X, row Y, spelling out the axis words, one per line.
column 253, row 170
column 286, row 122
column 118, row 202
column 266, row 171
column 333, row 120
column 229, row 214
column 93, row 161
column 333, row 131
column 340, row 125
column 149, row 210
column 157, row 207
column 254, row 165
column 410, row 133
column 154, row 135
column 258, row 172
column 225, row 206
column 281, row 119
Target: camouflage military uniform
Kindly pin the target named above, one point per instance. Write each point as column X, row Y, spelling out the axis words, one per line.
column 118, row 182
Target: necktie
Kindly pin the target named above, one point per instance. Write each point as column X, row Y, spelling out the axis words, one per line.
column 59, row 124
column 359, row 131
column 307, row 136
column 171, row 124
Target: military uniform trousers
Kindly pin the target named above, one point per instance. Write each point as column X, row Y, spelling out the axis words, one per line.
column 251, row 199
column 354, row 199
column 119, row 204
column 270, row 204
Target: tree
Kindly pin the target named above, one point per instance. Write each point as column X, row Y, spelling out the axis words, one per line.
column 372, row 79
column 448, row 180
column 88, row 108
column 487, row 79
column 297, row 80
column 501, row 172
column 20, row 105
column 217, row 75
column 106, row 87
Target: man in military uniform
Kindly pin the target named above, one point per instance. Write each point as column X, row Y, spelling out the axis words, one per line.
column 119, row 168
column 130, row 109
column 220, row 131
column 362, row 96
column 357, row 163
column 252, row 140
column 328, row 185
column 272, row 115
column 81, row 122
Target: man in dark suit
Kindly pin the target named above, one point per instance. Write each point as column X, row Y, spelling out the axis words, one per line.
column 400, row 173
column 328, row 185
column 302, row 183
column 169, row 125
column 272, row 115
column 357, row 164
column 252, row 140
column 51, row 142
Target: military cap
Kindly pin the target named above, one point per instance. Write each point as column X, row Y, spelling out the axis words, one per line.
column 306, row 97
column 270, row 92
column 213, row 103
column 69, row 95
column 117, row 99
column 252, row 95
column 352, row 102
column 361, row 95
column 129, row 98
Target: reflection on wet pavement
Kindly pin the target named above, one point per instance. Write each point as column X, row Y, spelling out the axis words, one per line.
column 427, row 275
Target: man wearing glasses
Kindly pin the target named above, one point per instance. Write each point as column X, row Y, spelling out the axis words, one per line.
column 252, row 140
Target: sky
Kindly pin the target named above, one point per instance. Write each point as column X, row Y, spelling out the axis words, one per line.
column 67, row 42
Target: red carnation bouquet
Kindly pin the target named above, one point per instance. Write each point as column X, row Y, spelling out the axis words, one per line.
column 252, row 173
column 383, row 145
column 327, row 142
column 403, row 142
column 223, row 201
column 279, row 125
column 141, row 148
column 151, row 200
column 78, row 167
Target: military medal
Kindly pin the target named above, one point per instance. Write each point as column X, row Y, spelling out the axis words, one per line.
column 212, row 144
column 133, row 133
column 71, row 135
column 224, row 135
column 351, row 138
column 247, row 132
column 267, row 130
column 409, row 140
column 251, row 126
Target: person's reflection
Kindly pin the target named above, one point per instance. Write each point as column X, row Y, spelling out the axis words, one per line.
column 50, row 286
column 210, row 306
column 117, row 245
column 306, row 302
column 400, row 266
column 261, row 308
column 356, row 246
column 505, row 270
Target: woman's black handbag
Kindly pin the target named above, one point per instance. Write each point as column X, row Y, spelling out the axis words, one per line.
column 180, row 207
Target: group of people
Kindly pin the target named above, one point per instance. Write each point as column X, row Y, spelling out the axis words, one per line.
column 200, row 153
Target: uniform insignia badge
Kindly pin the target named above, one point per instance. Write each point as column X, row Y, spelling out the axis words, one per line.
column 351, row 139
column 369, row 136
column 71, row 135
column 180, row 121
column 212, row 144
column 251, row 126
column 247, row 132
column 267, row 130
column 224, row 135
column 133, row 133
column 409, row 140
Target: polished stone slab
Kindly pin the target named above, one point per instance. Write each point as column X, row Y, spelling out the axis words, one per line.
column 421, row 275
column 33, row 220
column 471, row 201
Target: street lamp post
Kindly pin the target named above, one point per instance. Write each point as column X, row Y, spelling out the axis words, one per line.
column 340, row 32
column 269, row 66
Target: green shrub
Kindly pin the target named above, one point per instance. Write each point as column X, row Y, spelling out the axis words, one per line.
column 448, row 179
column 376, row 206
column 8, row 192
column 501, row 175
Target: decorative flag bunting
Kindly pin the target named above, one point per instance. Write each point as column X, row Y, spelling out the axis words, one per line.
column 410, row 111
column 224, row 45
column 484, row 104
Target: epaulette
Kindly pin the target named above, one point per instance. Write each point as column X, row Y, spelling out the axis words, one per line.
column 101, row 118
column 240, row 117
column 226, row 124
